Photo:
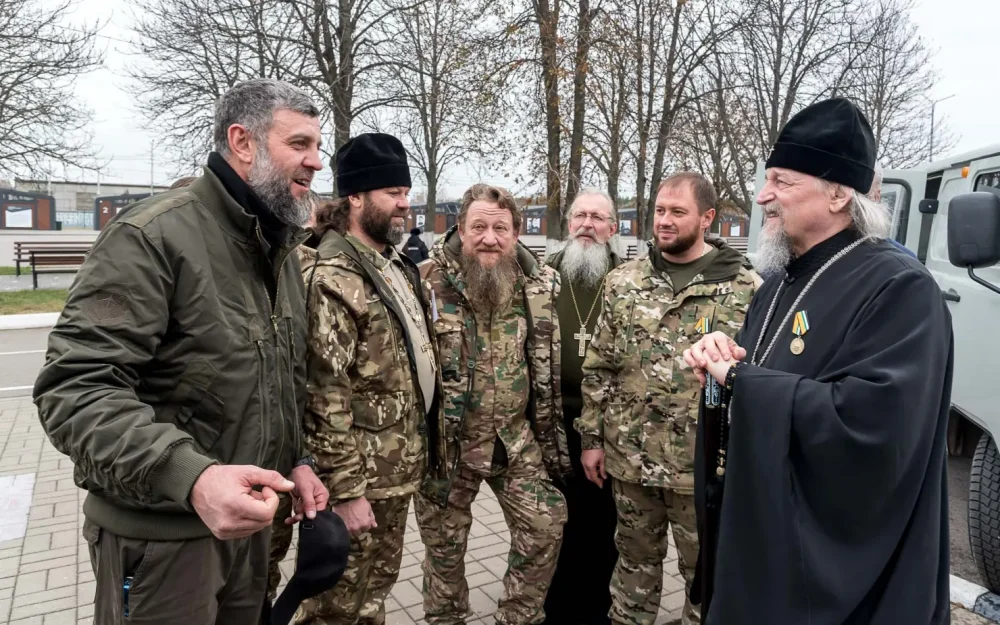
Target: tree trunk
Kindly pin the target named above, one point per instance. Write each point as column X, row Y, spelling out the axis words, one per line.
column 548, row 20
column 666, row 118
column 579, row 107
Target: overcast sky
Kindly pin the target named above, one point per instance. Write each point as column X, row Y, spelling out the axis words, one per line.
column 962, row 32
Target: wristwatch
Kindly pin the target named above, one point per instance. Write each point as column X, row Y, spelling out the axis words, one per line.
column 309, row 460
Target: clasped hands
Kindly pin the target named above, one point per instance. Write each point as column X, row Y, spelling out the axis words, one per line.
column 713, row 355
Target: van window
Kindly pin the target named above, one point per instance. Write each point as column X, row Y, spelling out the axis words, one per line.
column 990, row 179
column 894, row 195
column 939, row 228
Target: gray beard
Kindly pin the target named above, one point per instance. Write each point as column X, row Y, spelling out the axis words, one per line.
column 489, row 288
column 774, row 250
column 586, row 264
column 271, row 186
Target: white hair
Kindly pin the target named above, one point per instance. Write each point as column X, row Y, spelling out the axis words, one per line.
column 590, row 191
column 868, row 217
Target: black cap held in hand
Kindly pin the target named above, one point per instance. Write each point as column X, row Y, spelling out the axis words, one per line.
column 371, row 161
column 832, row 140
column 320, row 562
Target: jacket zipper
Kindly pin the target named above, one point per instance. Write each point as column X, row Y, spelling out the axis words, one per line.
column 274, row 322
column 263, row 400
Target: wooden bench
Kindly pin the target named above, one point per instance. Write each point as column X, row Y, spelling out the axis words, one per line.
column 23, row 249
column 739, row 244
column 539, row 250
column 55, row 261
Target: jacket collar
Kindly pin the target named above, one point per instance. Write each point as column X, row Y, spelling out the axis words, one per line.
column 818, row 254
column 726, row 265
column 242, row 208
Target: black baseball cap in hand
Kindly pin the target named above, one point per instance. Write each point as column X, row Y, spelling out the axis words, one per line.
column 319, row 564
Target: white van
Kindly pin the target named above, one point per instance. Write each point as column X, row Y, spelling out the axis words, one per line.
column 948, row 213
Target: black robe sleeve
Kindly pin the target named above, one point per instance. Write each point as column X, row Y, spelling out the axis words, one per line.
column 833, row 487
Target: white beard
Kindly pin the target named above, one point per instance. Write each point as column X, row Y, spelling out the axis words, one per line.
column 774, row 249
column 586, row 264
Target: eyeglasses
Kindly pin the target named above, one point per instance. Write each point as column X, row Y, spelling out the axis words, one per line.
column 596, row 218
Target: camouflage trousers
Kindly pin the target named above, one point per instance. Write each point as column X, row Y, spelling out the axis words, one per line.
column 535, row 512
column 281, row 540
column 641, row 538
column 372, row 568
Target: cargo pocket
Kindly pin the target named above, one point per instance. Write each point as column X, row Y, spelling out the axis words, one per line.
column 136, row 561
column 376, row 413
column 196, row 409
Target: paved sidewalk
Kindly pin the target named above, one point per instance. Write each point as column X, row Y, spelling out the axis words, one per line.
column 45, row 576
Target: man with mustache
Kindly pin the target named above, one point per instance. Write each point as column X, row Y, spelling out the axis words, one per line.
column 175, row 375
column 579, row 594
column 640, row 401
column 493, row 305
column 372, row 383
column 829, row 491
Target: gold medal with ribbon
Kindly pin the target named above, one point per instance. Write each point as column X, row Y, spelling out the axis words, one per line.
column 799, row 327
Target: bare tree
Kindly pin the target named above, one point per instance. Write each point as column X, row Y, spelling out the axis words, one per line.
column 192, row 53
column 609, row 89
column 581, row 68
column 345, row 40
column 890, row 84
column 438, row 74
column 41, row 57
column 546, row 14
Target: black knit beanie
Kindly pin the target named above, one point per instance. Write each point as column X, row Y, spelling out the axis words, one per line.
column 832, row 140
column 371, row 161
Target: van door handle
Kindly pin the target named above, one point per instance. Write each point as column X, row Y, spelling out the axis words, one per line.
column 951, row 295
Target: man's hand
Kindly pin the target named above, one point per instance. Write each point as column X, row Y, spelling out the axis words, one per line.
column 310, row 494
column 713, row 355
column 357, row 515
column 593, row 466
column 225, row 499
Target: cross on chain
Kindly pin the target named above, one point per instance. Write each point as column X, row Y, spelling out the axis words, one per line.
column 583, row 337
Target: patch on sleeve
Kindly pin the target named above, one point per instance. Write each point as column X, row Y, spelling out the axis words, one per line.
column 105, row 307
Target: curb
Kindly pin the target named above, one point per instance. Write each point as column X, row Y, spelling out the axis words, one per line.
column 975, row 598
column 25, row 322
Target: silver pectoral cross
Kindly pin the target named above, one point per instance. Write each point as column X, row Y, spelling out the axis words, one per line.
column 582, row 337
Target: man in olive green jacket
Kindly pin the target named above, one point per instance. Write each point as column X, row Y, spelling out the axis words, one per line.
column 174, row 377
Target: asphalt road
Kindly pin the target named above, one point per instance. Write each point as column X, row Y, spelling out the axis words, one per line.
column 22, row 353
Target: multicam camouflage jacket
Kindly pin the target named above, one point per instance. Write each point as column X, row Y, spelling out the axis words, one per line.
column 364, row 420
column 640, row 400
column 455, row 327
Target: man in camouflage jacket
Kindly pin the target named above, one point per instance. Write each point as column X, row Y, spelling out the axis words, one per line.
column 497, row 333
column 372, row 383
column 640, row 405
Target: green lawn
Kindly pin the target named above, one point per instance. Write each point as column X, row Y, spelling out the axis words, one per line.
column 10, row 271
column 42, row 300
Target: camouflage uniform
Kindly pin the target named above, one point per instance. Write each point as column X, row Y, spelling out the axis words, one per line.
column 641, row 408
column 365, row 420
column 501, row 423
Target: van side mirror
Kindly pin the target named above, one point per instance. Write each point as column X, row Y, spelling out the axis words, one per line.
column 974, row 232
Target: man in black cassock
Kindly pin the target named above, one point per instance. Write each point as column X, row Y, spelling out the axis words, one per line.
column 580, row 592
column 829, row 494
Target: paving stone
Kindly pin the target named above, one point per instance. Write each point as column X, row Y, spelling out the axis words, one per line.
column 30, row 583
column 406, row 594
column 399, row 617
column 62, row 576
column 37, row 609
column 480, row 579
column 64, row 617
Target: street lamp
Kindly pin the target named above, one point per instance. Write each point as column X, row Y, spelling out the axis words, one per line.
column 930, row 150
